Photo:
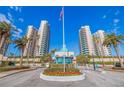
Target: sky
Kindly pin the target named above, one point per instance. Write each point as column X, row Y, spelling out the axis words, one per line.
column 109, row 19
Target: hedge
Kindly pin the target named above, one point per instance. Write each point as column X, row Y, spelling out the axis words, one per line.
column 9, row 68
column 61, row 66
column 106, row 63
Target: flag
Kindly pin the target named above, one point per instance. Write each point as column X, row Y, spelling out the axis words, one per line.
column 61, row 13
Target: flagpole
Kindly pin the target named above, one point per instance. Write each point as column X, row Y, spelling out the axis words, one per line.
column 63, row 30
column 63, row 38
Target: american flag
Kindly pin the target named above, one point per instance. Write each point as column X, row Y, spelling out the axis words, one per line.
column 61, row 13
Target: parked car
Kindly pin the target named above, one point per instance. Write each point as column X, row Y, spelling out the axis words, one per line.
column 11, row 63
column 117, row 64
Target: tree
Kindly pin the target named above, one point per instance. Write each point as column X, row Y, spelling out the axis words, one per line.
column 99, row 47
column 53, row 51
column 5, row 32
column 20, row 44
column 81, row 59
column 114, row 40
column 46, row 58
column 8, row 41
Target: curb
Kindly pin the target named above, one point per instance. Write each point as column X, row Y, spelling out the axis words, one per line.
column 115, row 70
column 63, row 78
column 18, row 72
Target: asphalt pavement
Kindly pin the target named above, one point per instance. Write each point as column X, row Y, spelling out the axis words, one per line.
column 93, row 79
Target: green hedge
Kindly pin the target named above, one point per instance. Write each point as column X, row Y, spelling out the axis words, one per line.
column 106, row 63
column 61, row 70
column 8, row 68
column 61, row 66
column 117, row 68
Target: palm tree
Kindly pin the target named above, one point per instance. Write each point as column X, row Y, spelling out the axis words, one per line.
column 114, row 40
column 29, row 49
column 5, row 32
column 46, row 58
column 8, row 41
column 20, row 44
column 81, row 59
column 53, row 51
column 99, row 47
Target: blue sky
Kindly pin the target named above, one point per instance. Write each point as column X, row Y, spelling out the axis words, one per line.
column 104, row 18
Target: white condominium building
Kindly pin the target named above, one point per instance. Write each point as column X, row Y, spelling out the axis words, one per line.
column 44, row 38
column 101, row 50
column 31, row 45
column 86, row 41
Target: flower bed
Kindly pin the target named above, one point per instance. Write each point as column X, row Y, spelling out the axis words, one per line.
column 59, row 72
column 62, row 73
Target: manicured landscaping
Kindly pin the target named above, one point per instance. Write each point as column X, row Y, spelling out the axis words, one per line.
column 105, row 63
column 57, row 70
column 9, row 68
column 118, row 68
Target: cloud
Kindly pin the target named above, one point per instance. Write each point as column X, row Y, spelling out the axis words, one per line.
column 17, row 34
column 115, row 22
column 115, row 27
column 16, row 8
column 21, row 20
column 117, row 12
column 4, row 18
column 10, row 16
column 104, row 17
column 19, row 30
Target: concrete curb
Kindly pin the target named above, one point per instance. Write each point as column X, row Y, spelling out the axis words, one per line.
column 115, row 70
column 17, row 72
column 63, row 78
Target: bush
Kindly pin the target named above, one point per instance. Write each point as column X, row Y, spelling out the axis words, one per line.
column 61, row 65
column 8, row 68
column 117, row 68
column 61, row 70
column 4, row 63
column 106, row 63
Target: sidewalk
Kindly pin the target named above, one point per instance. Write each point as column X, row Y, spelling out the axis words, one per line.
column 7, row 73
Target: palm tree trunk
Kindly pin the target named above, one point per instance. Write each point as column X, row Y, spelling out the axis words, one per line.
column 118, row 55
column 28, row 49
column 6, row 48
column 21, row 60
column 102, row 54
column 8, row 53
column 2, row 43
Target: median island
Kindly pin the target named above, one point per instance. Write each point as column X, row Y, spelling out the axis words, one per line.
column 56, row 72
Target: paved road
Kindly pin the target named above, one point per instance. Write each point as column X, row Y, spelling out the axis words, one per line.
column 93, row 79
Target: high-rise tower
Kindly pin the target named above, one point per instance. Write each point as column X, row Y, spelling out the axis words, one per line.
column 44, row 38
column 32, row 38
column 99, row 48
column 86, row 41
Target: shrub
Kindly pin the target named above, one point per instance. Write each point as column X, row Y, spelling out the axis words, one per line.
column 61, row 69
column 8, row 68
column 106, row 63
column 117, row 68
column 4, row 63
column 61, row 65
